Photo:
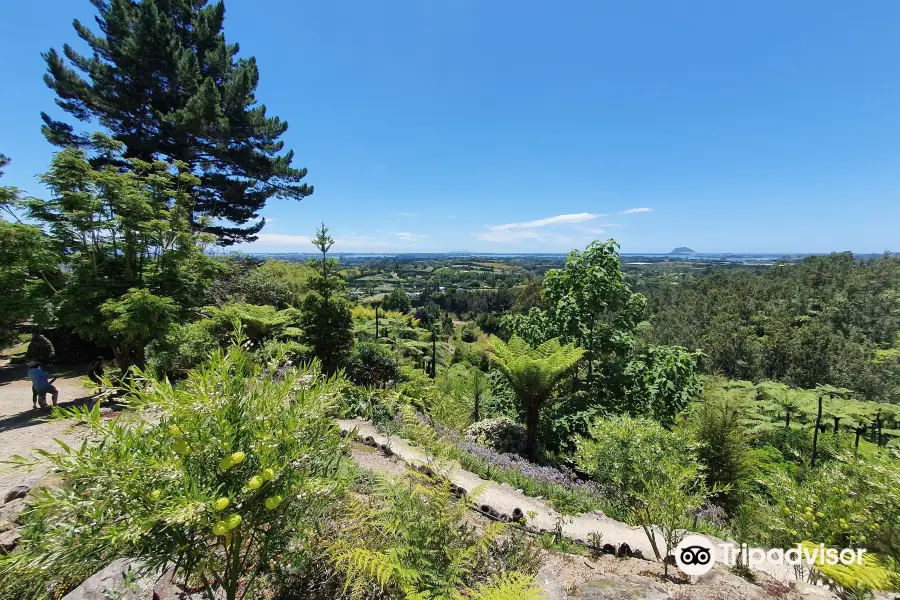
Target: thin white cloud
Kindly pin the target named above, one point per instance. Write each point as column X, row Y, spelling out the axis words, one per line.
column 592, row 230
column 557, row 220
column 635, row 210
column 514, row 236
column 410, row 237
column 281, row 239
column 302, row 243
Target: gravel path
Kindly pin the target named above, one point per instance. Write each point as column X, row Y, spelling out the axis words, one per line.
column 504, row 499
column 24, row 430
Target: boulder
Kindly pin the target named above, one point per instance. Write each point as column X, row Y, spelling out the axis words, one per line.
column 11, row 510
column 9, row 540
column 621, row 589
column 119, row 579
column 6, row 525
column 17, row 492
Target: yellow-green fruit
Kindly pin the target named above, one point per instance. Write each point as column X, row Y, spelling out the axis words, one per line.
column 221, row 504
column 174, row 430
column 255, row 482
column 181, row 447
column 220, row 528
column 155, row 494
column 821, row 515
column 268, row 474
column 786, row 510
column 273, row 502
column 809, row 509
column 232, row 521
column 235, row 458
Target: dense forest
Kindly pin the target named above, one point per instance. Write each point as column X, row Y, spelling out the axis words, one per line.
column 831, row 319
column 759, row 404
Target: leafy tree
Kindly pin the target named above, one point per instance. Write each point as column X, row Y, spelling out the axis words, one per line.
column 397, row 300
column 661, row 381
column 533, row 373
column 372, row 364
column 325, row 316
column 162, row 79
column 28, row 266
column 590, row 302
column 117, row 231
column 134, row 320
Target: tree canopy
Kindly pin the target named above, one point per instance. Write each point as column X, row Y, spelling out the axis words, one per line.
column 164, row 82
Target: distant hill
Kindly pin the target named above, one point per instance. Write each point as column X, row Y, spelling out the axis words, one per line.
column 682, row 250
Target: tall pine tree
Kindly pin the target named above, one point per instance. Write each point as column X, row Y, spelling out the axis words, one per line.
column 164, row 82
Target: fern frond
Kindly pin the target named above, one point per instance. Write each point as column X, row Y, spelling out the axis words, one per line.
column 503, row 586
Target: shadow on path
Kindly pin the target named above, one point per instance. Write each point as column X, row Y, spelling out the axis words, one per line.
column 36, row 417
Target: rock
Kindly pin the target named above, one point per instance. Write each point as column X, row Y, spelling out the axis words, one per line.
column 609, row 549
column 11, row 510
column 621, row 589
column 167, row 589
column 113, row 582
column 6, row 526
column 9, row 540
column 550, row 586
column 17, row 492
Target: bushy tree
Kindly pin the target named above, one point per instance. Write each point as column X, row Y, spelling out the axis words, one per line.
column 29, row 273
column 118, row 231
column 372, row 364
column 397, row 300
column 163, row 81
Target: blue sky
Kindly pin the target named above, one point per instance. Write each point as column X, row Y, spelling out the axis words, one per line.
column 429, row 125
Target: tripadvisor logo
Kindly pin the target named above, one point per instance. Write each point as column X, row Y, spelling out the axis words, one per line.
column 696, row 554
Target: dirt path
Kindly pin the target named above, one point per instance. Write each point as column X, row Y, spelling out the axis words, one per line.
column 24, row 430
column 504, row 499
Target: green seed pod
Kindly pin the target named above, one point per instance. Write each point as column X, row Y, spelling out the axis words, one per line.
column 221, row 504
column 233, row 521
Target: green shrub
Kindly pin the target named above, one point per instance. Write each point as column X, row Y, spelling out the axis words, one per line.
column 182, row 348
column 238, row 468
column 372, row 364
column 500, row 433
column 653, row 472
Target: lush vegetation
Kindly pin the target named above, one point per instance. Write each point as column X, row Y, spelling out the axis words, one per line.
column 759, row 403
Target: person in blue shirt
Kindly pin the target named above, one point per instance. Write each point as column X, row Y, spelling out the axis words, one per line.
column 41, row 385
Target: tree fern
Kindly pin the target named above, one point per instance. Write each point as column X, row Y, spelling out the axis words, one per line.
column 533, row 373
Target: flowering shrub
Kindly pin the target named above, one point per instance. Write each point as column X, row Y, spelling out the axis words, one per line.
column 239, row 468
column 501, row 434
column 562, row 488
